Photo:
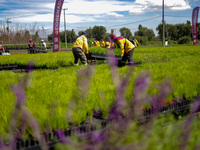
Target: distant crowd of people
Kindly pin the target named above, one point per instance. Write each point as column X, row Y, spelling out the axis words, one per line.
column 111, row 44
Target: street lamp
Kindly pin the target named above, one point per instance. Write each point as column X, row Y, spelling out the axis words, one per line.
column 65, row 28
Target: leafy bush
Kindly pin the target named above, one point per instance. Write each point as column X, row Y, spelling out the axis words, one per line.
column 141, row 40
column 184, row 40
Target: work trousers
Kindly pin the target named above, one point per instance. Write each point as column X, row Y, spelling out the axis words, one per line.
column 78, row 54
column 128, row 56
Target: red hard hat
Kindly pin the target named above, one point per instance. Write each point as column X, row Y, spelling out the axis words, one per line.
column 30, row 40
column 113, row 37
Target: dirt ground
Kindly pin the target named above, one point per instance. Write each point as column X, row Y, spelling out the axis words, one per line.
column 26, row 51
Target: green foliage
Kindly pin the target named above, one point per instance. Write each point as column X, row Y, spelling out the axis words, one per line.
column 184, row 40
column 98, row 32
column 40, row 60
column 125, row 32
column 141, row 40
column 52, row 91
column 145, row 32
column 175, row 31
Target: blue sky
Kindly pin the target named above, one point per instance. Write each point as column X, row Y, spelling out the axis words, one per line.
column 82, row 14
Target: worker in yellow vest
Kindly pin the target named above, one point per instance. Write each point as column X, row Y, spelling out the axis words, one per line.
column 103, row 44
column 108, row 44
column 135, row 42
column 127, row 48
column 79, row 46
column 92, row 43
column 97, row 43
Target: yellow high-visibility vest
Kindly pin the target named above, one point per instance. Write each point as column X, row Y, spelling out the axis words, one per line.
column 81, row 42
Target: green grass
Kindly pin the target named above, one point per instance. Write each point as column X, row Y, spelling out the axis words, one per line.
column 51, row 92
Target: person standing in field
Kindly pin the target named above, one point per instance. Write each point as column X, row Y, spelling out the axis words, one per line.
column 1, row 49
column 127, row 48
column 43, row 45
column 79, row 46
column 31, row 46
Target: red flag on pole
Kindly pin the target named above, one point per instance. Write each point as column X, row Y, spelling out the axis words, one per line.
column 195, row 14
column 56, row 25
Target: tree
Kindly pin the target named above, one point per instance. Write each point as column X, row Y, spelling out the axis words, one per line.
column 99, row 32
column 89, row 32
column 176, row 31
column 73, row 36
column 125, row 32
column 112, row 31
column 50, row 37
column 145, row 32
column 17, row 38
column 36, row 37
column 26, row 36
column 172, row 32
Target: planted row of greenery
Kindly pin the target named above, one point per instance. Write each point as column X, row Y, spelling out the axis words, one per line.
column 52, row 91
column 22, row 46
column 144, row 55
column 167, row 132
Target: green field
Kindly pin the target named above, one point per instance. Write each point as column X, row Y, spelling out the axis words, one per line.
column 52, row 93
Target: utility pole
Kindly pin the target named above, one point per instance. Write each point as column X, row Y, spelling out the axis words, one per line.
column 7, row 21
column 65, row 28
column 163, row 21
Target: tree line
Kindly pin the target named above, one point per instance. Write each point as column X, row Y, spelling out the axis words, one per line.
column 180, row 33
column 20, row 34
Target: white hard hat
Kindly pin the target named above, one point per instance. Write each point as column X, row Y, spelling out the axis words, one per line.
column 42, row 40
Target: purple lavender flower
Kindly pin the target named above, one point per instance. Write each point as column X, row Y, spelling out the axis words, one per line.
column 20, row 94
column 30, row 67
column 97, row 137
column 61, row 136
column 187, row 126
column 2, row 146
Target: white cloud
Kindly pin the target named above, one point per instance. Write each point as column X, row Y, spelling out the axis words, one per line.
column 144, row 6
column 91, row 11
column 115, row 15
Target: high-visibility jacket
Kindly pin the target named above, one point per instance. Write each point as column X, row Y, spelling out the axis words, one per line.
column 125, row 45
column 97, row 44
column 108, row 44
column 81, row 42
column 103, row 44
column 136, row 43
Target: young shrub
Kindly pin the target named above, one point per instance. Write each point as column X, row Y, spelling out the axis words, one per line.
column 184, row 40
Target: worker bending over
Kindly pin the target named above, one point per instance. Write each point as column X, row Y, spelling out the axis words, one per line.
column 79, row 46
column 126, row 47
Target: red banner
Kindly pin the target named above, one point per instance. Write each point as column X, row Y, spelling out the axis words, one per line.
column 56, row 25
column 195, row 14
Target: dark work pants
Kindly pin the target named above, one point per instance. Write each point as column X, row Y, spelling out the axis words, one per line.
column 78, row 54
column 128, row 56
